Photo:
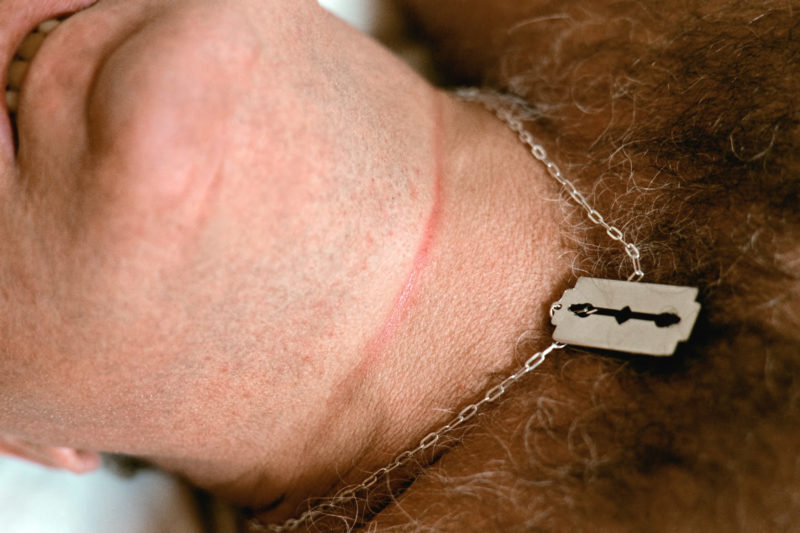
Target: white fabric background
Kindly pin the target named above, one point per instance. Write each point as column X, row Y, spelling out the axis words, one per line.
column 34, row 499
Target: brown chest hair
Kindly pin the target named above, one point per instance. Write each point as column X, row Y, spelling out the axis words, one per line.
column 681, row 119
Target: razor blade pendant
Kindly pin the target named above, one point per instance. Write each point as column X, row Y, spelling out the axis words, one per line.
column 642, row 318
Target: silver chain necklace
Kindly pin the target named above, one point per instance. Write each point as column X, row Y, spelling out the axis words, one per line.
column 514, row 112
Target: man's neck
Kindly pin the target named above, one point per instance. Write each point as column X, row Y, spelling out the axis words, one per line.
column 489, row 265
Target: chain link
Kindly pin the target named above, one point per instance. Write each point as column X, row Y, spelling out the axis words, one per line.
column 350, row 494
column 514, row 112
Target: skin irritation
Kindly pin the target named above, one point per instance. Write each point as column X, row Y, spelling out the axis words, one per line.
column 405, row 299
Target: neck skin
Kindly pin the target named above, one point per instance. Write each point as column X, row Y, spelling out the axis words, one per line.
column 488, row 263
column 330, row 258
column 415, row 239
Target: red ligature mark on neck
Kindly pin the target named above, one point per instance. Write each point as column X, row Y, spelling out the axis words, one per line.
column 404, row 300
